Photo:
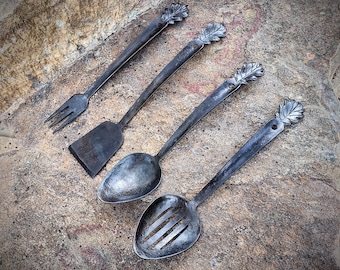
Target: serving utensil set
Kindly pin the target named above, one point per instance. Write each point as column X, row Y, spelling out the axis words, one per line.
column 171, row 224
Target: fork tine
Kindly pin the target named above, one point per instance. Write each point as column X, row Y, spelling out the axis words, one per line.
column 62, row 107
column 61, row 117
column 71, row 117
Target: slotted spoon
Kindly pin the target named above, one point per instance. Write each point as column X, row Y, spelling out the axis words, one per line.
column 171, row 224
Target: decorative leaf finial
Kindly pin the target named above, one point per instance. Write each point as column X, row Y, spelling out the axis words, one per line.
column 175, row 13
column 249, row 72
column 290, row 112
column 213, row 32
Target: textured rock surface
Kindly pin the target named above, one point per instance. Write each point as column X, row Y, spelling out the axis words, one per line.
column 40, row 38
column 280, row 211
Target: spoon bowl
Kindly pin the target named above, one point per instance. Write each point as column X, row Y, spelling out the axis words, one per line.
column 169, row 226
column 137, row 173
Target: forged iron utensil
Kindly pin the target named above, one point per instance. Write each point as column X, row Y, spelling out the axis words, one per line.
column 171, row 224
column 138, row 174
column 78, row 103
column 95, row 148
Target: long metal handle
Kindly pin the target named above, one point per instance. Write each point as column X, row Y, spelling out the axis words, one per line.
column 182, row 57
column 290, row 113
column 249, row 72
column 177, row 12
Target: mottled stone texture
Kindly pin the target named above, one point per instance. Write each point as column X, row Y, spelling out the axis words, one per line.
column 280, row 211
column 38, row 39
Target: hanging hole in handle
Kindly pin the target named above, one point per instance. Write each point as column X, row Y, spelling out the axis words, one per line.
column 274, row 127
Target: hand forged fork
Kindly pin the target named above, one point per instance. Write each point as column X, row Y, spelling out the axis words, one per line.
column 78, row 103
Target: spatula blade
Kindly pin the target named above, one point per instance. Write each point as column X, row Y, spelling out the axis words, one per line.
column 95, row 148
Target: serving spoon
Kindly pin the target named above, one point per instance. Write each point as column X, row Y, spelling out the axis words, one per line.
column 171, row 224
column 136, row 175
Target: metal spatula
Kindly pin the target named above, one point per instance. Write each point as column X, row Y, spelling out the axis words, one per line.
column 95, row 148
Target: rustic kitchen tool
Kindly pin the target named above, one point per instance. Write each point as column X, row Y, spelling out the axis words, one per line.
column 78, row 103
column 95, row 148
column 171, row 224
column 138, row 174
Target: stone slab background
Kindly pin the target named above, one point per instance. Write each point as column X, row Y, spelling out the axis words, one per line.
column 280, row 211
